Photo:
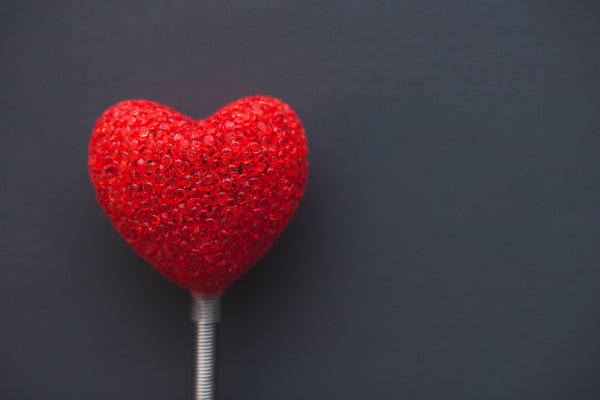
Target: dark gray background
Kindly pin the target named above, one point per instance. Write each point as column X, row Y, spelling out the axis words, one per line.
column 448, row 243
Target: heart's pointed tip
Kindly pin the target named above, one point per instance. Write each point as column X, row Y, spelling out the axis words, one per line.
column 201, row 200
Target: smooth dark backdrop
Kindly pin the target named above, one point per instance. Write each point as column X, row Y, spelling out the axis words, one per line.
column 448, row 243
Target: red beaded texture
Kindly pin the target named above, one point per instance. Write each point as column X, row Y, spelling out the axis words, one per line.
column 200, row 200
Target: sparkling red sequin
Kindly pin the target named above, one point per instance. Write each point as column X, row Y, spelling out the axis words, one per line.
column 200, row 200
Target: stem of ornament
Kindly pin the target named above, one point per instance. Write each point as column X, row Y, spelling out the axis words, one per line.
column 205, row 313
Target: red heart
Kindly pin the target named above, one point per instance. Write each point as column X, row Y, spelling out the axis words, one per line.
column 200, row 200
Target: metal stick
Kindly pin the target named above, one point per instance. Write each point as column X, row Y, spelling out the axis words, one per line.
column 205, row 313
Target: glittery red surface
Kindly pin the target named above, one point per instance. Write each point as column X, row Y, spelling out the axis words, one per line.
column 200, row 200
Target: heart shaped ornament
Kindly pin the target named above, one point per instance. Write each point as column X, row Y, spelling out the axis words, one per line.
column 200, row 200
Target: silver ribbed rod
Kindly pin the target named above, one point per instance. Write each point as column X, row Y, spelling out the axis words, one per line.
column 205, row 313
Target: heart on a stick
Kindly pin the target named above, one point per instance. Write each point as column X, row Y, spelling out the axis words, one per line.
column 200, row 200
